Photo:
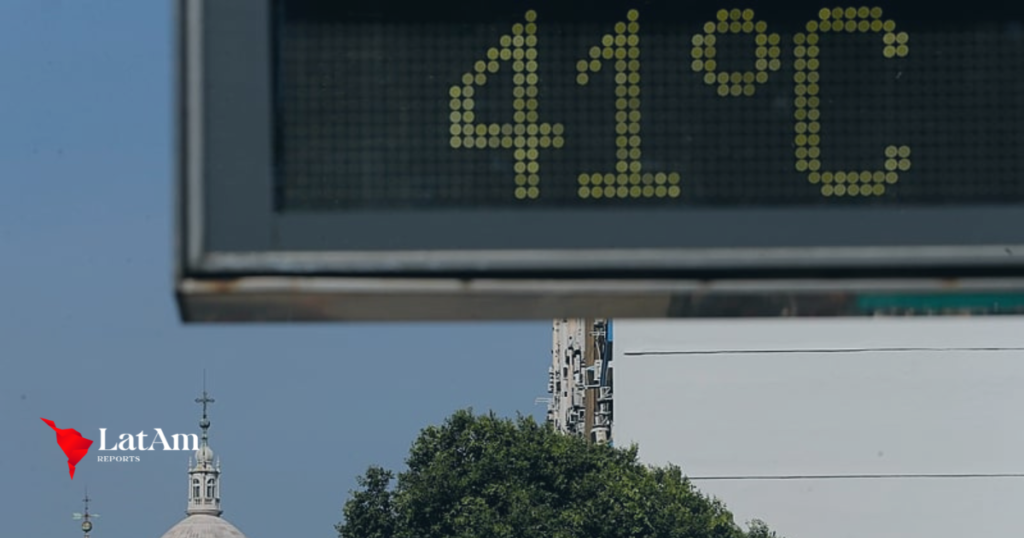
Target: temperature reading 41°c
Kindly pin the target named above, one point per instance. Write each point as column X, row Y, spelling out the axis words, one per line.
column 659, row 105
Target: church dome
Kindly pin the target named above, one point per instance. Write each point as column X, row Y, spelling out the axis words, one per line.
column 203, row 526
column 204, row 454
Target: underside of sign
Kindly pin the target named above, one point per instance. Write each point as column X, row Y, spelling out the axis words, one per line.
column 524, row 160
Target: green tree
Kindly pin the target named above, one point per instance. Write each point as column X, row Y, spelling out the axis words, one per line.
column 480, row 476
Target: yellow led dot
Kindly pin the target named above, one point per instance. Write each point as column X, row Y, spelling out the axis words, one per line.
column 519, row 66
column 902, row 37
column 634, row 65
column 735, row 77
column 853, row 190
column 633, row 27
column 620, row 28
column 595, row 65
column 583, row 192
column 799, row 51
column 660, row 191
column 839, row 190
column 813, row 140
column 748, row 77
column 878, row 176
column 532, row 154
column 583, row 65
column 674, row 191
column 748, row 27
column 709, row 78
column 865, row 177
column 812, row 89
column 749, row 90
column 876, row 25
column 697, row 53
column 889, row 26
column 480, row 79
column 468, row 116
column 904, row 164
column 635, row 191
column 697, row 40
column 622, row 191
column 774, row 64
column 608, row 53
column 814, row 153
column 505, row 54
column 840, row 177
column 827, row 190
column 481, row 130
column 891, row 177
column 850, row 13
column 531, row 28
column 812, row 64
column 826, row 177
column 801, row 140
column 517, row 29
column 748, row 14
column 608, row 40
column 837, row 13
column 456, row 142
column 470, row 141
column 863, row 26
column 533, row 179
column 673, row 178
column 735, row 14
column 876, row 12
column 632, row 179
column 851, row 26
column 660, row 178
column 723, row 27
column 863, row 12
column 902, row 50
column 521, row 179
column 595, row 52
column 891, row 151
column 801, row 89
column 532, row 116
column 582, row 79
column 801, row 166
column 761, row 64
column 825, row 13
column 723, row 14
column 814, row 177
column 723, row 90
column 735, row 27
column 814, row 165
column 904, row 151
column 891, row 164
column 878, row 190
column 812, row 26
column 632, row 40
column 531, row 15
column 648, row 191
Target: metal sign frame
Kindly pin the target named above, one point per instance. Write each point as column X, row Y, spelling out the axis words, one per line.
column 231, row 267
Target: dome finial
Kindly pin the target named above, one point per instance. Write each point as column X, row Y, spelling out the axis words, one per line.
column 204, row 423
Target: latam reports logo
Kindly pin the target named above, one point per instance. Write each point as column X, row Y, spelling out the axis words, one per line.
column 72, row 443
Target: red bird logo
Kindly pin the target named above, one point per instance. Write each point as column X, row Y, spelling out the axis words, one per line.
column 72, row 443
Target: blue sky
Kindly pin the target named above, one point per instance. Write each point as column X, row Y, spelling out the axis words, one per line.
column 90, row 334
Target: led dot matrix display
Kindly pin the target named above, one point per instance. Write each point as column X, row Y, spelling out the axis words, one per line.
column 659, row 103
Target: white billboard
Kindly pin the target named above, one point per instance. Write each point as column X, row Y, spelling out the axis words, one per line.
column 789, row 398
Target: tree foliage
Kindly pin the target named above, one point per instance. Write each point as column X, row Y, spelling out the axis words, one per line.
column 480, row 476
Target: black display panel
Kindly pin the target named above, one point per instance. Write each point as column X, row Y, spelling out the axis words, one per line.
column 661, row 104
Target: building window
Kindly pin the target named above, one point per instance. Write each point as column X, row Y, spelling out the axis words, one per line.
column 195, row 488
column 209, row 488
